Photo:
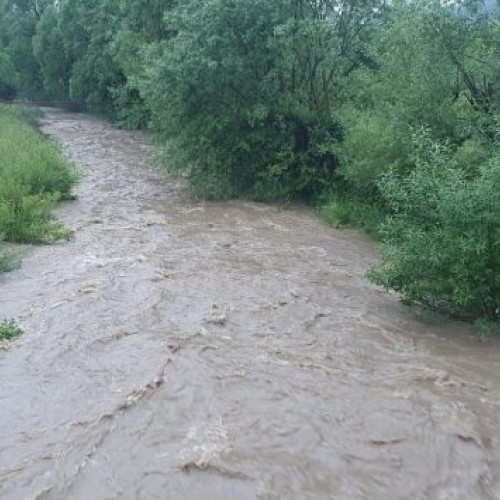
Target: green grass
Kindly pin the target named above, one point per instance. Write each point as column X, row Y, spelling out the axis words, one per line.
column 27, row 114
column 34, row 176
column 9, row 330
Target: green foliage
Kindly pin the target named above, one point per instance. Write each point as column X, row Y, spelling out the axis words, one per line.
column 5, row 261
column 141, row 24
column 8, row 76
column 340, row 209
column 34, row 177
column 28, row 115
column 18, row 20
column 246, row 93
column 434, row 71
column 486, row 328
column 373, row 145
column 52, row 56
column 90, row 52
column 9, row 330
column 441, row 242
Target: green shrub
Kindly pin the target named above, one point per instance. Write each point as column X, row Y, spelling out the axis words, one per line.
column 340, row 210
column 373, row 145
column 9, row 330
column 441, row 243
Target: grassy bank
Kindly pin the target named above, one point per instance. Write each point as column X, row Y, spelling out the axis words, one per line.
column 34, row 177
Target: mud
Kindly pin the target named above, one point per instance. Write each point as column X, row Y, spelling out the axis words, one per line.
column 234, row 350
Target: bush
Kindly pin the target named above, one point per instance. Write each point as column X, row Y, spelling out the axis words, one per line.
column 9, row 330
column 441, row 243
column 34, row 177
column 342, row 210
column 373, row 145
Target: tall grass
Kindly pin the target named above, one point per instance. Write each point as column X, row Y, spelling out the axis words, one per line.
column 34, row 176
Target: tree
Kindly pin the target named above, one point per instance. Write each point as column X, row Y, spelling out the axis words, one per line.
column 8, row 77
column 436, row 68
column 141, row 23
column 246, row 92
column 49, row 50
column 18, row 20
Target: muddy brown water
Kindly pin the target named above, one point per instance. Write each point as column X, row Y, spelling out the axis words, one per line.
column 235, row 350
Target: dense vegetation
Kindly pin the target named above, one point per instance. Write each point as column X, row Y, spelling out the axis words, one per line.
column 386, row 112
column 33, row 178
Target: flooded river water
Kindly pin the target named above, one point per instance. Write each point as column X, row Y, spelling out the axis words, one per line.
column 180, row 350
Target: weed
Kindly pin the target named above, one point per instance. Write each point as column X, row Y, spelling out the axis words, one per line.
column 9, row 330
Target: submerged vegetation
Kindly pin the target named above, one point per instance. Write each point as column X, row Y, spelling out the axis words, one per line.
column 386, row 114
column 33, row 178
column 5, row 260
column 9, row 330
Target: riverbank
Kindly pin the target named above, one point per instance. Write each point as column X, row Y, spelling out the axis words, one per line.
column 34, row 177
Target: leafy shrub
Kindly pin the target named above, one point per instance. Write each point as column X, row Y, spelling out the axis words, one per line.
column 341, row 211
column 441, row 243
column 131, row 110
column 373, row 145
column 8, row 77
column 9, row 330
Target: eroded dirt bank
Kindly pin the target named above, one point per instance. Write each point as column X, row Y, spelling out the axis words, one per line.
column 219, row 351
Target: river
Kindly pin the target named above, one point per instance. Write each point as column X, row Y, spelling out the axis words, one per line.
column 181, row 350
